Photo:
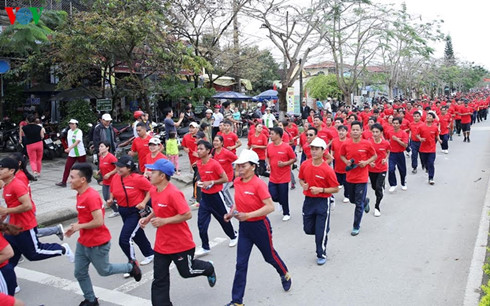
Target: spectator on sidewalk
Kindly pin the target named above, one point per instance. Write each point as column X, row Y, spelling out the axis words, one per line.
column 170, row 125
column 105, row 133
column 208, row 119
column 34, row 135
column 76, row 150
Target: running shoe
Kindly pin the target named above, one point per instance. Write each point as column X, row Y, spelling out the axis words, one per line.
column 135, row 271
column 346, row 200
column 377, row 213
column 61, row 184
column 354, row 232
column 68, row 252
column 286, row 218
column 366, row 206
column 148, row 260
column 404, row 187
column 414, row 170
column 321, row 261
column 212, row 277
column 202, row 252
column 293, row 186
column 392, row 189
column 61, row 232
column 113, row 214
column 286, row 281
column 88, row 303
column 431, row 182
column 234, row 304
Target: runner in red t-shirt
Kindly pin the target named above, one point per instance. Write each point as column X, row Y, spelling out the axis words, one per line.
column 339, row 165
column 156, row 148
column 19, row 207
column 189, row 144
column 107, row 170
column 94, row 244
column 252, row 205
column 173, row 241
column 378, row 168
column 140, row 146
column 445, row 120
column 280, row 157
column 258, row 143
column 398, row 139
column 132, row 193
column 8, row 280
column 231, row 141
column 465, row 111
column 212, row 179
column 428, row 134
column 357, row 154
column 319, row 182
column 225, row 158
column 414, row 141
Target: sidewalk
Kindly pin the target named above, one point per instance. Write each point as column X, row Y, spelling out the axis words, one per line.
column 56, row 204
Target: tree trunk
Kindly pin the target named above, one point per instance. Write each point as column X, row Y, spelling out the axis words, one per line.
column 347, row 95
column 282, row 94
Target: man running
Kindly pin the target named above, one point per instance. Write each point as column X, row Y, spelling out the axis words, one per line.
column 398, row 142
column 428, row 134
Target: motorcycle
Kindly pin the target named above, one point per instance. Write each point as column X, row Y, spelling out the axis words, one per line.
column 55, row 137
column 49, row 151
column 9, row 136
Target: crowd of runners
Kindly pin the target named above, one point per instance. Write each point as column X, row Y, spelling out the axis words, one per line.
column 341, row 151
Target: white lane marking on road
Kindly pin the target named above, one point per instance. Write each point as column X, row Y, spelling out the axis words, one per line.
column 481, row 128
column 118, row 298
column 147, row 277
column 472, row 292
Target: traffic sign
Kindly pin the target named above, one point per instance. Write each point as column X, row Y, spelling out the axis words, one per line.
column 104, row 105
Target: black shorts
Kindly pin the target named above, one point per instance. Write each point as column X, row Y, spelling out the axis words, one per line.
column 466, row 127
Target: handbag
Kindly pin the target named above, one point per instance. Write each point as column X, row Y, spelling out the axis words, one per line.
column 145, row 212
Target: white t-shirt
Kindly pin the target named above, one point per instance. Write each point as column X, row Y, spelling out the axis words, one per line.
column 72, row 137
column 218, row 117
column 268, row 120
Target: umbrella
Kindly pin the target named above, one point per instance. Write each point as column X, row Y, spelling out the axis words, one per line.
column 266, row 95
column 231, row 95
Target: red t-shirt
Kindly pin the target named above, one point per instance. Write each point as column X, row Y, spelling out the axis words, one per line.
column 317, row 176
column 140, row 145
column 88, row 202
column 136, row 187
column 226, row 158
column 382, row 150
column 282, row 152
column 261, row 140
column 211, row 171
column 367, row 134
column 387, row 130
column 189, row 142
column 465, row 118
column 229, row 140
column 106, row 165
column 250, row 196
column 414, row 127
column 151, row 160
column 445, row 121
column 23, row 178
column 335, row 147
column 3, row 244
column 333, row 131
column 362, row 150
column 395, row 146
column 11, row 193
column 171, row 238
column 325, row 134
column 6, row 300
column 430, row 134
column 293, row 131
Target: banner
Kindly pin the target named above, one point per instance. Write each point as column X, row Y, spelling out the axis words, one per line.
column 290, row 100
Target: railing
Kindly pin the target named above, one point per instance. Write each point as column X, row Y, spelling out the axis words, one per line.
column 63, row 5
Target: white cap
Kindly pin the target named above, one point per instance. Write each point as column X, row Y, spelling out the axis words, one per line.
column 209, row 111
column 268, row 108
column 259, row 104
column 73, row 121
column 155, row 140
column 318, row 142
column 194, row 124
column 247, row 156
column 106, row 117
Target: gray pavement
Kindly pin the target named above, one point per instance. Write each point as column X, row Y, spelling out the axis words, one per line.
column 417, row 253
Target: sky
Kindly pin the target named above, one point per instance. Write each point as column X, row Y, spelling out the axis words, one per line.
column 466, row 21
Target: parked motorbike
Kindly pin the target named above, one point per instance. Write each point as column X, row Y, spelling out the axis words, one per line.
column 9, row 136
column 49, row 151
column 55, row 137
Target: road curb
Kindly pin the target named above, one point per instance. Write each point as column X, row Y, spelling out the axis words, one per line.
column 475, row 276
column 54, row 217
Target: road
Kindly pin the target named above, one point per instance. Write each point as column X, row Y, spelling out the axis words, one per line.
column 417, row 253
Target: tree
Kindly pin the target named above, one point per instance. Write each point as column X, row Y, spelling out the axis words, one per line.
column 403, row 38
column 295, row 31
column 449, row 59
column 353, row 30
column 323, row 86
column 262, row 72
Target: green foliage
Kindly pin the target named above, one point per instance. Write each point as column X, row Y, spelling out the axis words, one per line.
column 448, row 51
column 323, row 86
column 262, row 71
column 81, row 111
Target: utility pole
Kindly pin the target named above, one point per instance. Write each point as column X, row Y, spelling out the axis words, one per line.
column 235, row 44
column 300, row 82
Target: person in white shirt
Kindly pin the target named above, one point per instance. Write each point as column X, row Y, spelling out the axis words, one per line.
column 328, row 105
column 268, row 119
column 218, row 118
column 76, row 150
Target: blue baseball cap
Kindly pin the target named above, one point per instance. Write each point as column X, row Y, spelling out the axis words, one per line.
column 162, row 165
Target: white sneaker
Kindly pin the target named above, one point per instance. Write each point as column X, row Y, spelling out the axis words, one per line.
column 341, row 186
column 68, row 252
column 21, row 259
column 279, row 207
column 148, row 260
column 332, row 205
column 17, row 289
column 286, row 218
column 126, row 275
column 201, row 252
column 446, row 151
column 233, row 242
column 113, row 214
column 377, row 213
column 392, row 189
column 346, row 200
column 404, row 188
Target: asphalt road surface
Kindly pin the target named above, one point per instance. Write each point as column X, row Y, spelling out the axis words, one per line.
column 417, row 253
